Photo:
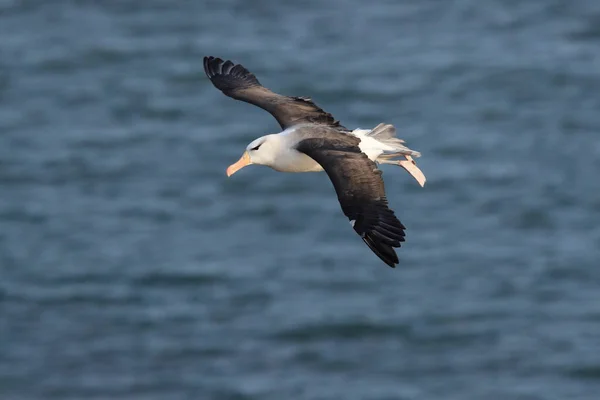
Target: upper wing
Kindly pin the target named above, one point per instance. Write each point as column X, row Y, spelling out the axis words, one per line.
column 237, row 82
column 360, row 191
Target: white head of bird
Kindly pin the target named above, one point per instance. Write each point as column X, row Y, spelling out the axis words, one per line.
column 276, row 151
column 261, row 151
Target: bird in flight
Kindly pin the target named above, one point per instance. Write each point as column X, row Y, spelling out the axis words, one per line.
column 311, row 140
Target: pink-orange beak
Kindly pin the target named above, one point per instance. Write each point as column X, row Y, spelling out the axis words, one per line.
column 241, row 163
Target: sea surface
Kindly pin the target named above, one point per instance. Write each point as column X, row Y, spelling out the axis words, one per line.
column 131, row 267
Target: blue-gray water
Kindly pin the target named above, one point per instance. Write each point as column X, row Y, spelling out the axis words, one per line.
column 132, row 268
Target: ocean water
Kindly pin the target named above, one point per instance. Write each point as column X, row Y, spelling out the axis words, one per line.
column 132, row 268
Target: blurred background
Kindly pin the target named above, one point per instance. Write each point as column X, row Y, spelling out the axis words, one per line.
column 132, row 268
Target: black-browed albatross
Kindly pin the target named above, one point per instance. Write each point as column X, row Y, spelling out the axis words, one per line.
column 312, row 140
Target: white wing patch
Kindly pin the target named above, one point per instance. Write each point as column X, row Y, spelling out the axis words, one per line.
column 352, row 222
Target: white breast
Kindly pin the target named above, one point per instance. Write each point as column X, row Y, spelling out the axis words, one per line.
column 293, row 161
column 288, row 159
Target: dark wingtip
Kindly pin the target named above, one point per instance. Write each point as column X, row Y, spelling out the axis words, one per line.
column 384, row 235
column 226, row 75
column 384, row 251
column 212, row 66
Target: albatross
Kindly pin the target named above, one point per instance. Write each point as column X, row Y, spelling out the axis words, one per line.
column 311, row 140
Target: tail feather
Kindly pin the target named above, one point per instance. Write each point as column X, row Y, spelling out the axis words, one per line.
column 386, row 134
column 396, row 153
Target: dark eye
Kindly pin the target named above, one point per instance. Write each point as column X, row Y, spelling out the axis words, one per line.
column 255, row 148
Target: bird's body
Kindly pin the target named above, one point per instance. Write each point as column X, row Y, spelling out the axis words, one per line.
column 290, row 160
column 312, row 141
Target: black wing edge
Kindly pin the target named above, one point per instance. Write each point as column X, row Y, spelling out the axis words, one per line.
column 322, row 117
column 227, row 76
column 383, row 235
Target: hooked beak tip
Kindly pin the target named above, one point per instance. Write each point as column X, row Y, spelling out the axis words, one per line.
column 229, row 172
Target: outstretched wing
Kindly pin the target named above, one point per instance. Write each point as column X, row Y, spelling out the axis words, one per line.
column 360, row 190
column 237, row 82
